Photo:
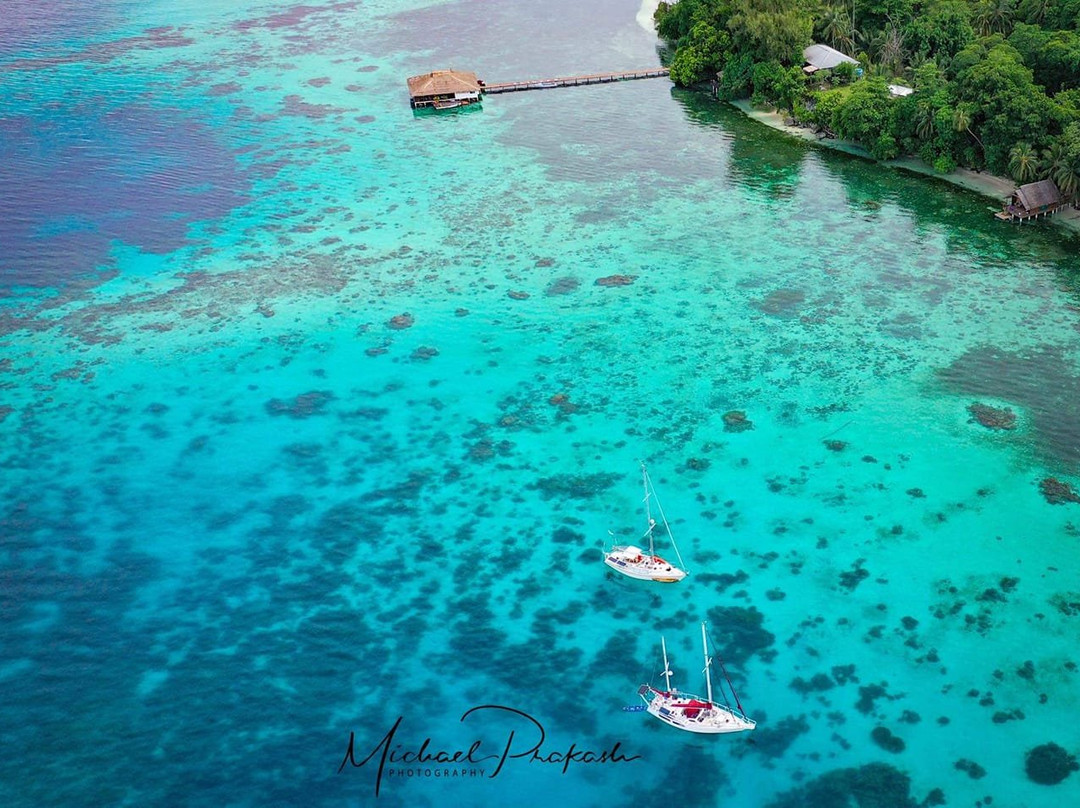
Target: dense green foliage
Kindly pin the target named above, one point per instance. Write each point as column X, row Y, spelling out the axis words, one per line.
column 996, row 82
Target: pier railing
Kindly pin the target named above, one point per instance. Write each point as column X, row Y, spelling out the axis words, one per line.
column 571, row 81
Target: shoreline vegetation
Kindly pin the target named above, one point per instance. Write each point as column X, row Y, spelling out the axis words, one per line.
column 980, row 182
column 983, row 94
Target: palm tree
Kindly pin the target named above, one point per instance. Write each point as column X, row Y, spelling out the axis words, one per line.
column 1023, row 163
column 924, row 120
column 1002, row 17
column 994, row 17
column 961, row 120
column 1035, row 12
column 1067, row 178
column 1061, row 167
column 1054, row 159
column 835, row 28
column 891, row 48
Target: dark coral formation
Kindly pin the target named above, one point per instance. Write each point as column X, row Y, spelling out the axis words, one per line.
column 868, row 695
column 875, row 785
column 401, row 321
column 722, row 580
column 973, row 769
column 782, row 302
column 562, row 286
column 849, row 579
column 302, row 406
column 616, row 280
column 1048, row 764
column 736, row 421
column 992, row 417
column 424, row 352
column 1040, row 380
column 737, row 634
column 569, row 486
column 844, row 674
column 835, row 445
column 773, row 741
column 884, row 738
column 817, row 683
column 1058, row 492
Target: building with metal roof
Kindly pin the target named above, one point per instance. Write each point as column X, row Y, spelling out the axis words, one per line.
column 822, row 57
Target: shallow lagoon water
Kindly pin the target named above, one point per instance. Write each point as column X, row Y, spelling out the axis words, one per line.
column 314, row 415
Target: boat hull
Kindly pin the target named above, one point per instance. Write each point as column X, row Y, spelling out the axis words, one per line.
column 691, row 714
column 630, row 561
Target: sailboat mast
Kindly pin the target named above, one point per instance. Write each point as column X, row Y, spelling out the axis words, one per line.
column 649, row 494
column 708, row 663
column 667, row 668
column 648, row 513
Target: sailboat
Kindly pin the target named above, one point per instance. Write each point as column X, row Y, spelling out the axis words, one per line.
column 647, row 565
column 694, row 713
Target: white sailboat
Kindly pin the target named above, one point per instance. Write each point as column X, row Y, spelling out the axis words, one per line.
column 646, row 565
column 694, row 713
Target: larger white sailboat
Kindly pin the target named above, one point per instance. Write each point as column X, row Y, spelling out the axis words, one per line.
column 694, row 713
column 646, row 565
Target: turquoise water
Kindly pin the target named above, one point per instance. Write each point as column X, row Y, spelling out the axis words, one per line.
column 313, row 415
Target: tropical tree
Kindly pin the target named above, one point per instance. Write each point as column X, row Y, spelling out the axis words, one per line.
column 928, row 77
column 699, row 55
column 891, row 48
column 962, row 118
column 771, row 30
column 834, row 28
column 994, row 17
column 1034, row 11
column 1023, row 163
column 1053, row 56
column 1012, row 108
column 1061, row 166
column 941, row 32
column 1067, row 178
column 864, row 113
column 925, row 113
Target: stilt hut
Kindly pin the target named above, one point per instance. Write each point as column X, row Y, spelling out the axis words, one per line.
column 444, row 89
column 1040, row 198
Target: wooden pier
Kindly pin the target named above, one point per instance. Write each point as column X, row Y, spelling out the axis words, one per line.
column 570, row 81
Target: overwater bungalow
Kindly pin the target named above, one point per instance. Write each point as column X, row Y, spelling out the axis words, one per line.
column 1040, row 198
column 444, row 89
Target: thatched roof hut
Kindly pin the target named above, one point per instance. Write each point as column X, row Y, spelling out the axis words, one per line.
column 444, row 87
column 1036, row 196
column 1035, row 199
